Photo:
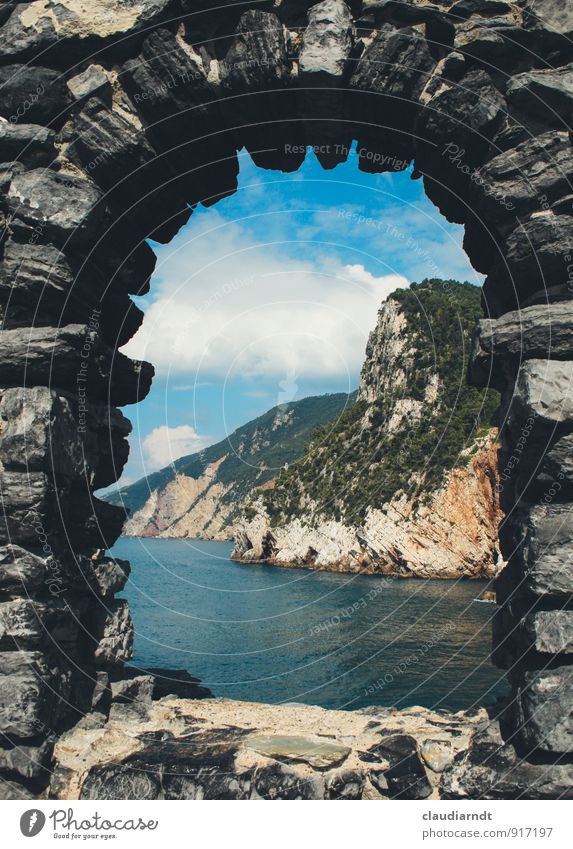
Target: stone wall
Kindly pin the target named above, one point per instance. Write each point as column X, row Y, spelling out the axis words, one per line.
column 115, row 121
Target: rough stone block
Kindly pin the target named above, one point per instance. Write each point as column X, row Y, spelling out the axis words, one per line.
column 113, row 632
column 67, row 32
column 544, row 391
column 22, row 624
column 545, row 554
column 72, row 357
column 93, row 82
column 21, row 572
column 27, row 143
column 28, row 762
column 545, row 715
column 32, row 95
column 61, row 207
column 550, row 631
column 30, row 694
column 512, row 185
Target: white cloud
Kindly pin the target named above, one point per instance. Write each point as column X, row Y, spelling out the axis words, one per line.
column 165, row 444
column 226, row 305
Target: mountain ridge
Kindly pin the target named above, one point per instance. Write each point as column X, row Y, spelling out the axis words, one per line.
column 249, row 457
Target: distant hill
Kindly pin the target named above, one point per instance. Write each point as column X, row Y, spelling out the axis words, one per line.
column 202, row 494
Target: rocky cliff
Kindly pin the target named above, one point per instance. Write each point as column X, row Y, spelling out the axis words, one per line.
column 202, row 495
column 405, row 482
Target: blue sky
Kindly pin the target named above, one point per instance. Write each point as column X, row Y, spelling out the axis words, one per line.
column 270, row 295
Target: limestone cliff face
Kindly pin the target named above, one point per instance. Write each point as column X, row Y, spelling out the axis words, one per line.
column 454, row 535
column 186, row 507
column 406, row 483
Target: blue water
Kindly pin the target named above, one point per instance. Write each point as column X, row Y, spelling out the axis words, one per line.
column 261, row 633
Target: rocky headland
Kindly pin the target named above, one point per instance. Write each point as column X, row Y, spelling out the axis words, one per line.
column 406, row 482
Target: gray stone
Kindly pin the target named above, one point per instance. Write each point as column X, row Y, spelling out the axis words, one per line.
column 27, row 761
column 27, row 143
column 544, row 391
column 66, row 32
column 41, row 281
column 515, row 183
column 138, row 688
column 32, row 95
column 491, row 41
column 119, row 158
column 12, row 790
column 256, row 80
column 54, row 356
column 30, row 694
column 110, row 575
column 182, row 118
column 21, row 572
column 437, row 754
column 552, row 15
column 119, row 782
column 30, row 504
column 545, row 712
column 546, row 555
column 402, row 767
column 22, row 624
column 43, row 431
column 61, row 207
column 463, row 9
column 113, row 632
column 175, row 682
column 101, row 693
column 345, row 784
column 388, row 81
column 326, row 44
column 533, row 332
column 90, row 83
column 315, row 752
column 39, row 432
column 491, row 769
column 532, row 264
column 452, row 139
column 38, row 511
column 132, row 713
column 550, row 631
column 545, row 94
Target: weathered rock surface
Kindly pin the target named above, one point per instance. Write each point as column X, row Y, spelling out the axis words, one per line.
column 491, row 769
column 72, row 357
column 66, row 30
column 63, row 207
column 509, row 186
column 33, row 95
column 431, row 541
column 540, row 545
column 470, row 112
column 214, row 749
column 27, row 143
column 544, row 391
column 544, row 710
column 31, row 693
column 21, row 572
